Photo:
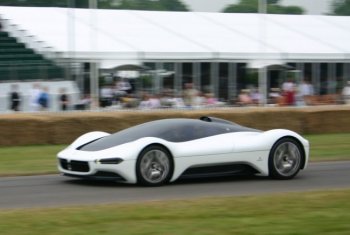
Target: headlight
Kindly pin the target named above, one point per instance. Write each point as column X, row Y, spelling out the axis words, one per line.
column 109, row 161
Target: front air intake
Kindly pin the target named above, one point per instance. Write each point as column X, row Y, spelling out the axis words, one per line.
column 79, row 166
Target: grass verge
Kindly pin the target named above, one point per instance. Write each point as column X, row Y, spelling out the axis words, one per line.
column 32, row 160
column 28, row 160
column 292, row 213
column 329, row 147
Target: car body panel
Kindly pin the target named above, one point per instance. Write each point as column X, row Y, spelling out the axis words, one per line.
column 249, row 147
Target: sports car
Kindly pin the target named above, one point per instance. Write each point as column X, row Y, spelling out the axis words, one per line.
column 158, row 152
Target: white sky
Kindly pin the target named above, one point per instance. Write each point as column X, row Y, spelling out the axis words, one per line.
column 310, row 6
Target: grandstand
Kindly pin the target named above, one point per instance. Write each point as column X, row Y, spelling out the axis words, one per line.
column 23, row 65
column 20, row 63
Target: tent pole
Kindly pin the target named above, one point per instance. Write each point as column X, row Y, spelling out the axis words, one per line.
column 346, row 73
column 263, row 85
column 331, row 70
column 158, row 82
column 196, row 73
column 214, row 77
column 316, row 77
column 70, row 38
column 178, row 78
column 263, row 70
column 232, row 81
column 94, row 86
column 94, row 74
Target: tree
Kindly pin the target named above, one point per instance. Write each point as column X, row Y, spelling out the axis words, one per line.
column 173, row 5
column 340, row 7
column 252, row 6
column 157, row 5
column 36, row 3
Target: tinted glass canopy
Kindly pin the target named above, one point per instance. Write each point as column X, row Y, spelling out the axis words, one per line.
column 173, row 130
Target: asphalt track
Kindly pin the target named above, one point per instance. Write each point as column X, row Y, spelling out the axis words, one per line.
column 56, row 190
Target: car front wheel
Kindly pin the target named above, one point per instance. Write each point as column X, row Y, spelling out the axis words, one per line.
column 154, row 166
column 285, row 159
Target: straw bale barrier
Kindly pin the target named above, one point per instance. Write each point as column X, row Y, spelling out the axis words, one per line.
column 63, row 128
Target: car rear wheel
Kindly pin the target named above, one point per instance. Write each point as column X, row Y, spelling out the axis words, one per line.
column 154, row 166
column 285, row 159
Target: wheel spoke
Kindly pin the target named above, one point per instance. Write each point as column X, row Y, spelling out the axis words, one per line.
column 146, row 163
column 287, row 158
column 155, row 166
column 149, row 173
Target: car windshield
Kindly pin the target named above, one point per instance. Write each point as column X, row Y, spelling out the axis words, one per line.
column 173, row 130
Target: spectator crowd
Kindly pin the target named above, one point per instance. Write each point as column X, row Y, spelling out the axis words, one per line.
column 123, row 95
column 39, row 98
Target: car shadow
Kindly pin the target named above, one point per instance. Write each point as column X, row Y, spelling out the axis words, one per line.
column 218, row 179
column 180, row 181
column 231, row 178
column 97, row 183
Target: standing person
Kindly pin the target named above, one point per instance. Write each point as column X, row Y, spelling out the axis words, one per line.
column 288, row 89
column 255, row 96
column 124, row 85
column 244, row 98
column 106, row 96
column 154, row 102
column 346, row 93
column 34, row 97
column 305, row 91
column 63, row 100
column 44, row 99
column 190, row 94
column 15, row 98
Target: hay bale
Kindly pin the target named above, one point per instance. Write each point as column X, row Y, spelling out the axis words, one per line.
column 327, row 121
column 63, row 128
column 24, row 130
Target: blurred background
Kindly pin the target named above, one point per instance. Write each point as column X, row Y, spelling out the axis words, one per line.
column 152, row 54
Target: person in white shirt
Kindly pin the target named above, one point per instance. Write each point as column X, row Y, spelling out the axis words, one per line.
column 288, row 89
column 34, row 97
column 106, row 96
column 346, row 93
column 123, row 85
column 305, row 90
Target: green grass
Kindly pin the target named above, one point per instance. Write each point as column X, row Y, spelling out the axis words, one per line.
column 329, row 147
column 293, row 213
column 30, row 160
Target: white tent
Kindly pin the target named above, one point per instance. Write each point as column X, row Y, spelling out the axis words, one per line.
column 109, row 38
column 112, row 36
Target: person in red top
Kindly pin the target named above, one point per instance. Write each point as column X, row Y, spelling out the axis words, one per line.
column 288, row 89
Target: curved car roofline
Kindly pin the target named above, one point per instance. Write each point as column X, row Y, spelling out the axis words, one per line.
column 171, row 129
column 217, row 120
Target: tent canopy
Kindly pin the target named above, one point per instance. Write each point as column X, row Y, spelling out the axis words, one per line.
column 119, row 35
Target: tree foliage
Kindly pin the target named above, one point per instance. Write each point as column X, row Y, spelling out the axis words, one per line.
column 340, row 7
column 29, row 3
column 158, row 5
column 273, row 7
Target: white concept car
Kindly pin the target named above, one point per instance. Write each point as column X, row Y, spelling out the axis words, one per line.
column 162, row 151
